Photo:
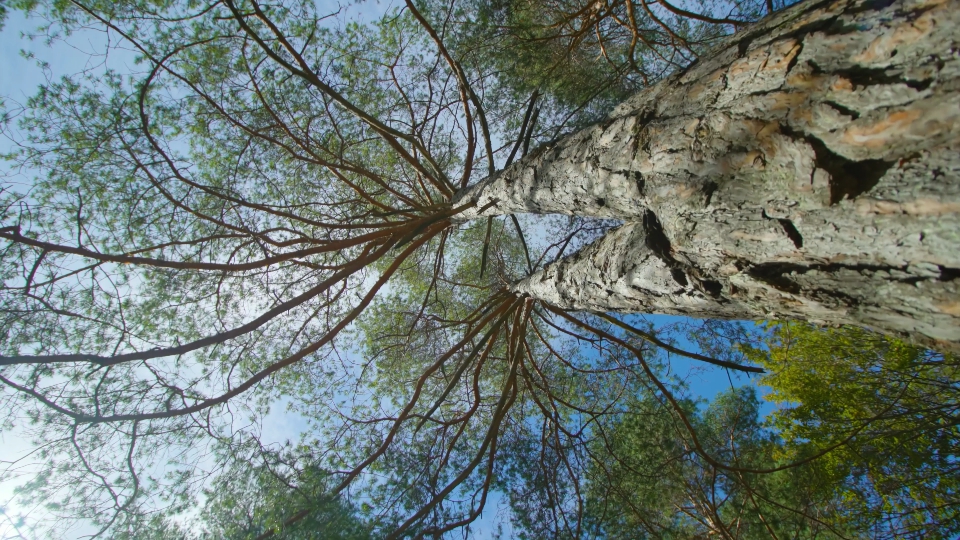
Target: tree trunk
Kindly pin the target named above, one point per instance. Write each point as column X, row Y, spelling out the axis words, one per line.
column 808, row 169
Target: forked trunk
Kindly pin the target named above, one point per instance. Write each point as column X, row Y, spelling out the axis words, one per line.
column 808, row 169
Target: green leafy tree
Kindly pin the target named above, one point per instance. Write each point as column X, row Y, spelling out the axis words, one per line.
column 653, row 483
column 894, row 410
column 257, row 494
column 246, row 501
column 862, row 445
column 592, row 55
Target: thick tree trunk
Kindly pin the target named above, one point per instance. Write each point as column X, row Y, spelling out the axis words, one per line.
column 809, row 169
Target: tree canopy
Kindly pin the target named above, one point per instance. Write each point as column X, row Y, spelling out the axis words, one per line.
column 256, row 207
column 885, row 410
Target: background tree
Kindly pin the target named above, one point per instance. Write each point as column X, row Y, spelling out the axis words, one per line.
column 866, row 425
column 245, row 502
column 653, row 484
column 593, row 55
column 897, row 469
column 255, row 494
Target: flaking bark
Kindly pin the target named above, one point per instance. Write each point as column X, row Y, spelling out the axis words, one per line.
column 806, row 169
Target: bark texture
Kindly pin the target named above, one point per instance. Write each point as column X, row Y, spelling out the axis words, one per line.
column 809, row 168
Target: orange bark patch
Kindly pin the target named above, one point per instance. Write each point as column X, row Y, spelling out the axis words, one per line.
column 841, row 85
column 950, row 308
column 744, row 160
column 779, row 101
column 752, row 125
column 802, row 115
column 810, row 18
column 749, row 65
column 803, row 79
column 769, row 129
column 926, row 4
column 781, row 54
column 705, row 84
column 839, row 5
column 883, row 47
column 882, row 132
column 683, row 192
column 919, row 207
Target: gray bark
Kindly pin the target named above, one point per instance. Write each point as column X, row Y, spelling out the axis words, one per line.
column 809, row 168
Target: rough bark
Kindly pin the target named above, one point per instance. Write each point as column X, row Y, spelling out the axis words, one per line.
column 809, row 168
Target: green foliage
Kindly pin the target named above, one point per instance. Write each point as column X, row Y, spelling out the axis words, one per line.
column 154, row 195
column 863, row 444
column 533, row 55
column 255, row 495
column 654, row 484
column 894, row 407
column 592, row 55
column 247, row 501
column 216, row 156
